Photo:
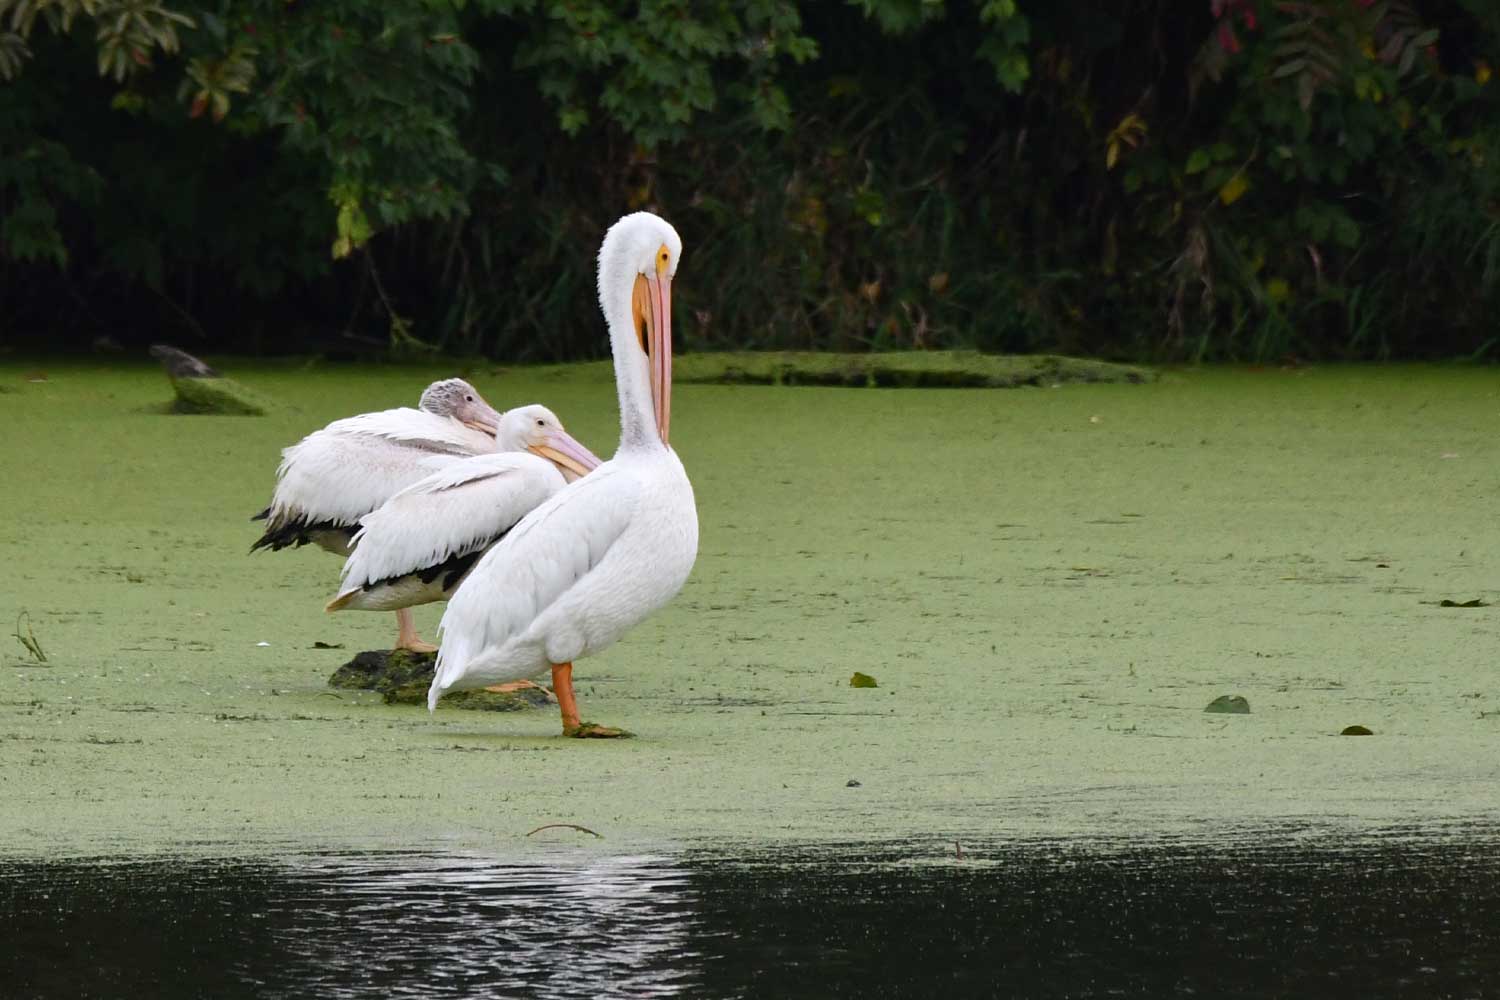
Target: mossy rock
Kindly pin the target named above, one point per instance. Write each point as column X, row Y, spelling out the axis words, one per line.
column 217, row 395
column 201, row 389
column 403, row 677
column 481, row 700
column 384, row 670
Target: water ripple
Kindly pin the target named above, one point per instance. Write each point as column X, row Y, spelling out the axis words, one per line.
column 1332, row 917
column 465, row 927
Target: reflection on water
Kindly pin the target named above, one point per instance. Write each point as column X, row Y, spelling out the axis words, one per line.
column 1374, row 920
column 393, row 926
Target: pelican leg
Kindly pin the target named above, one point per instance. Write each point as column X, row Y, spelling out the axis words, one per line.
column 521, row 685
column 562, row 686
column 406, row 638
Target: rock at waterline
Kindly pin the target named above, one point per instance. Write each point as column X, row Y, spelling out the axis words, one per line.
column 200, row 389
column 1357, row 731
column 1229, row 704
column 403, row 677
column 860, row 680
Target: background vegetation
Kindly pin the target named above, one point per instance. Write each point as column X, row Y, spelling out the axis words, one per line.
column 1145, row 179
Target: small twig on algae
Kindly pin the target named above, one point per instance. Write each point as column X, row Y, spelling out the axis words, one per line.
column 567, row 826
column 29, row 639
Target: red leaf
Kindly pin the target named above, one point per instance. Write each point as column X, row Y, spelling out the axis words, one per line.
column 1228, row 40
column 199, row 104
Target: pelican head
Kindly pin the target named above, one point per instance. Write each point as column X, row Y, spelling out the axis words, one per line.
column 636, row 265
column 536, row 429
column 453, row 397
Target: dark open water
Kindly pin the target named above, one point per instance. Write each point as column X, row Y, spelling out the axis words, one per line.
column 1377, row 919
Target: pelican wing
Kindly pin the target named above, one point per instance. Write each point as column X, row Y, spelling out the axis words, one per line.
column 552, row 548
column 335, row 476
column 416, row 429
column 462, row 508
column 334, row 479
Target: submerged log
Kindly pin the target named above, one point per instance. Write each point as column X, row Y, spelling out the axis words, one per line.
column 403, row 677
column 201, row 389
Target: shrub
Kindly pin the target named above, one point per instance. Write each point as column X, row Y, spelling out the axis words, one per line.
column 1227, row 179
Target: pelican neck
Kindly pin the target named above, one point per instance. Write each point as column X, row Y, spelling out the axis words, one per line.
column 638, row 430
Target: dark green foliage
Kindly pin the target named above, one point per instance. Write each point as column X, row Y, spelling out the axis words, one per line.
column 1154, row 180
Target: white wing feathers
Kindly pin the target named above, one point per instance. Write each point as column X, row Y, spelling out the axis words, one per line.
column 463, row 507
column 534, row 566
column 352, row 466
column 417, row 429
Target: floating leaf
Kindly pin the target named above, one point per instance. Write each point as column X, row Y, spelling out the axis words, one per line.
column 1229, row 704
column 1475, row 603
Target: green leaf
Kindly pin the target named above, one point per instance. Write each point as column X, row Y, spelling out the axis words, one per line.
column 1345, row 231
column 1234, row 188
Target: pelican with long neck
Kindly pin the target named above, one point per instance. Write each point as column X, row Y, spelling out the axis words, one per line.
column 609, row 549
column 635, row 294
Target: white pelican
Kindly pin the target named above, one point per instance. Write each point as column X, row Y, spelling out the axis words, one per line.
column 418, row 546
column 334, row 476
column 609, row 549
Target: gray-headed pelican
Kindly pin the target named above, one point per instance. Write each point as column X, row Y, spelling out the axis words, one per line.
column 334, row 476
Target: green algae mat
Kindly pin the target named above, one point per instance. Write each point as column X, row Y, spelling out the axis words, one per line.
column 884, row 369
column 1048, row 586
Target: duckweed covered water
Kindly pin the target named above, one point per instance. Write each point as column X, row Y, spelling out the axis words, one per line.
column 1050, row 585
